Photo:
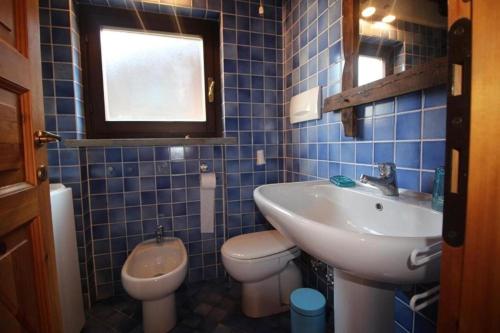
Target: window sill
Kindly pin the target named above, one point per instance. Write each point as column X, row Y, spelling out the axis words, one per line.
column 149, row 142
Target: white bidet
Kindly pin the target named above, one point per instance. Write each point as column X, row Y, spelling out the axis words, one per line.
column 152, row 273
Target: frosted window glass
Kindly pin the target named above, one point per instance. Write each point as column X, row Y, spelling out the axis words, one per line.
column 151, row 76
column 370, row 69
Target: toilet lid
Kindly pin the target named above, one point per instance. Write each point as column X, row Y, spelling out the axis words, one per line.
column 256, row 245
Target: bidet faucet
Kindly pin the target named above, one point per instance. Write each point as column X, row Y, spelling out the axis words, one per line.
column 159, row 233
column 387, row 181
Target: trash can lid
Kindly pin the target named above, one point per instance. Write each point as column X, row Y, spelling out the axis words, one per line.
column 307, row 301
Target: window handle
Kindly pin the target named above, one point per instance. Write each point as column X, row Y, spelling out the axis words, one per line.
column 211, row 89
column 43, row 137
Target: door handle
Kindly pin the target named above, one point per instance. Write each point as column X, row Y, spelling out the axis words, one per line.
column 43, row 137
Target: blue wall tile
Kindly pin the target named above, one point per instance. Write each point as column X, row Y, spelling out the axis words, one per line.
column 435, row 97
column 384, row 107
column 408, row 154
column 383, row 128
column 409, row 179
column 403, row 315
column 409, row 102
column 364, row 153
column 383, row 152
column 408, row 126
column 434, row 124
column 433, row 154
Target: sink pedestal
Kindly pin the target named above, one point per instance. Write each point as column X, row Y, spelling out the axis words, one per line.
column 362, row 306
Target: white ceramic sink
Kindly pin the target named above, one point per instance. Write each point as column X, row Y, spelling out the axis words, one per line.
column 366, row 236
column 355, row 229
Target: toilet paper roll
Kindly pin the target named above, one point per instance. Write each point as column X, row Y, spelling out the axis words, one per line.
column 207, row 201
column 208, row 180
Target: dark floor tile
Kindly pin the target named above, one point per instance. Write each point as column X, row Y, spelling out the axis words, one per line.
column 220, row 328
column 101, row 311
column 203, row 309
column 123, row 324
column 229, row 304
column 217, row 314
column 193, row 321
column 213, row 298
column 94, row 326
column 183, row 329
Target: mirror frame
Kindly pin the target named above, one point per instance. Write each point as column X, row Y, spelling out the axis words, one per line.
column 420, row 77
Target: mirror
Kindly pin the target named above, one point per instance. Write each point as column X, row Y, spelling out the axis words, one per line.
column 397, row 35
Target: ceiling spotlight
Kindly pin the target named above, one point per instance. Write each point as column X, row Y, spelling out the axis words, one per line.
column 368, row 11
column 388, row 18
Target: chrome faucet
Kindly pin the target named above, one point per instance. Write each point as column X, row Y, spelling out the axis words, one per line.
column 387, row 181
column 159, row 233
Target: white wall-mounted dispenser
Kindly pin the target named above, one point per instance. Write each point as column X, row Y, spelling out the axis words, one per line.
column 306, row 106
column 260, row 158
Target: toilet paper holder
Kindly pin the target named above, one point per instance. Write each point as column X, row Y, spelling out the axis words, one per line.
column 203, row 167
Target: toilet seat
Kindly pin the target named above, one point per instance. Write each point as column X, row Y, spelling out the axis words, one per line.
column 257, row 256
column 257, row 245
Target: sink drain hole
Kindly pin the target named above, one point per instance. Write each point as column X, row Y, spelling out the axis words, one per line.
column 379, row 206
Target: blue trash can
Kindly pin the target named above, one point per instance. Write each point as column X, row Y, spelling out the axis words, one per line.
column 307, row 311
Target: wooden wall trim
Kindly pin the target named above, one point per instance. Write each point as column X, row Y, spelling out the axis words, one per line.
column 424, row 76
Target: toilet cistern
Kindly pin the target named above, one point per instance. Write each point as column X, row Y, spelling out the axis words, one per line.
column 387, row 181
column 159, row 233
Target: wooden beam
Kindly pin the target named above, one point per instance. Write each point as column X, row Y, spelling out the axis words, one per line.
column 350, row 38
column 425, row 76
column 350, row 45
column 349, row 121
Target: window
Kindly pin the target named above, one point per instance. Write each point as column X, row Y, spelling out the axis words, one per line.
column 149, row 76
column 171, row 90
column 370, row 69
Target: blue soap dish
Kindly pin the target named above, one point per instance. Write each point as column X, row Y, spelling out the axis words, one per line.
column 342, row 181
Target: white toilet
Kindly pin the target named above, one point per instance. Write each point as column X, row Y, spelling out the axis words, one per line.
column 263, row 263
column 152, row 273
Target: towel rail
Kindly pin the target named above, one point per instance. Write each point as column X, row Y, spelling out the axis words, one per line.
column 430, row 296
column 421, row 256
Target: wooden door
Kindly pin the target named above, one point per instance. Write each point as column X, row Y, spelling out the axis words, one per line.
column 470, row 274
column 28, row 282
